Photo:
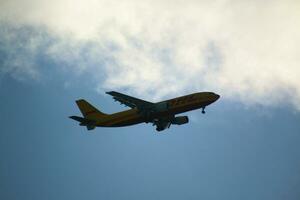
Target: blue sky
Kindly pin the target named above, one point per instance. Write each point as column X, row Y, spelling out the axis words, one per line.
column 245, row 147
column 232, row 152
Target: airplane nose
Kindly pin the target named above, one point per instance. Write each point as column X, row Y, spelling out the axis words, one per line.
column 217, row 97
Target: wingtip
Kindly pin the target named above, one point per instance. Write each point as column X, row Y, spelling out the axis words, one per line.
column 110, row 92
column 72, row 117
column 79, row 100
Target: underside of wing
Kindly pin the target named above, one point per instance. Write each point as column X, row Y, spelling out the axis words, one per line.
column 130, row 101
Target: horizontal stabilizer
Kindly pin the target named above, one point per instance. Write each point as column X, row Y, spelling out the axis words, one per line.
column 76, row 118
column 84, row 121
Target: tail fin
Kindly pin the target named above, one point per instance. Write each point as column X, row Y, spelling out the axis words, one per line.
column 89, row 111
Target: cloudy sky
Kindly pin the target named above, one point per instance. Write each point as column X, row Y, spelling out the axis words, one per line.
column 54, row 52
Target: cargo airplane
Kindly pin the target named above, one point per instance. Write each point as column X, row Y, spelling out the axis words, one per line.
column 160, row 114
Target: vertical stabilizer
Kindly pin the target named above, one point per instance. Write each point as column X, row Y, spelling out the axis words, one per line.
column 89, row 111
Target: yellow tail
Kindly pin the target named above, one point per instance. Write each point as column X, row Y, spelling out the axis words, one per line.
column 89, row 111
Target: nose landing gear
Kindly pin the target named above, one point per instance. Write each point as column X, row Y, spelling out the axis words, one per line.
column 203, row 111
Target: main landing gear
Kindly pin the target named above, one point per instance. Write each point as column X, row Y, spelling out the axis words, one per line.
column 203, row 111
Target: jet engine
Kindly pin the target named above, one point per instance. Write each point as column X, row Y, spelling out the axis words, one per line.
column 161, row 107
column 180, row 120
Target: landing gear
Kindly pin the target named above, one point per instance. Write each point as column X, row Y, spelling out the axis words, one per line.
column 159, row 129
column 203, row 111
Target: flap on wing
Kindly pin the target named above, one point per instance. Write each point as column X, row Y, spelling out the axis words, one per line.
column 129, row 100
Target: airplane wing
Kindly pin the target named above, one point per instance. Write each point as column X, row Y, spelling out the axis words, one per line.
column 130, row 101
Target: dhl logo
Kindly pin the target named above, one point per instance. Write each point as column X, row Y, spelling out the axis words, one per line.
column 182, row 100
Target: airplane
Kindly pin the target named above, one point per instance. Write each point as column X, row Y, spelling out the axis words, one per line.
column 160, row 114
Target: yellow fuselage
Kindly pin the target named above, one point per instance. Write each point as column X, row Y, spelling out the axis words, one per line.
column 175, row 106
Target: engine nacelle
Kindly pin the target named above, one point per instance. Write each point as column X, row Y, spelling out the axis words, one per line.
column 161, row 107
column 180, row 120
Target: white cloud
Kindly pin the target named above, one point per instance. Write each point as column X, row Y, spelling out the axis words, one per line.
column 245, row 50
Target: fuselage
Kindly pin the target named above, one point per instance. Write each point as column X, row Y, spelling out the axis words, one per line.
column 175, row 106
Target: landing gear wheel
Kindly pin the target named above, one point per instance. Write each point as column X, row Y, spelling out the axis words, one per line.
column 159, row 129
column 203, row 111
